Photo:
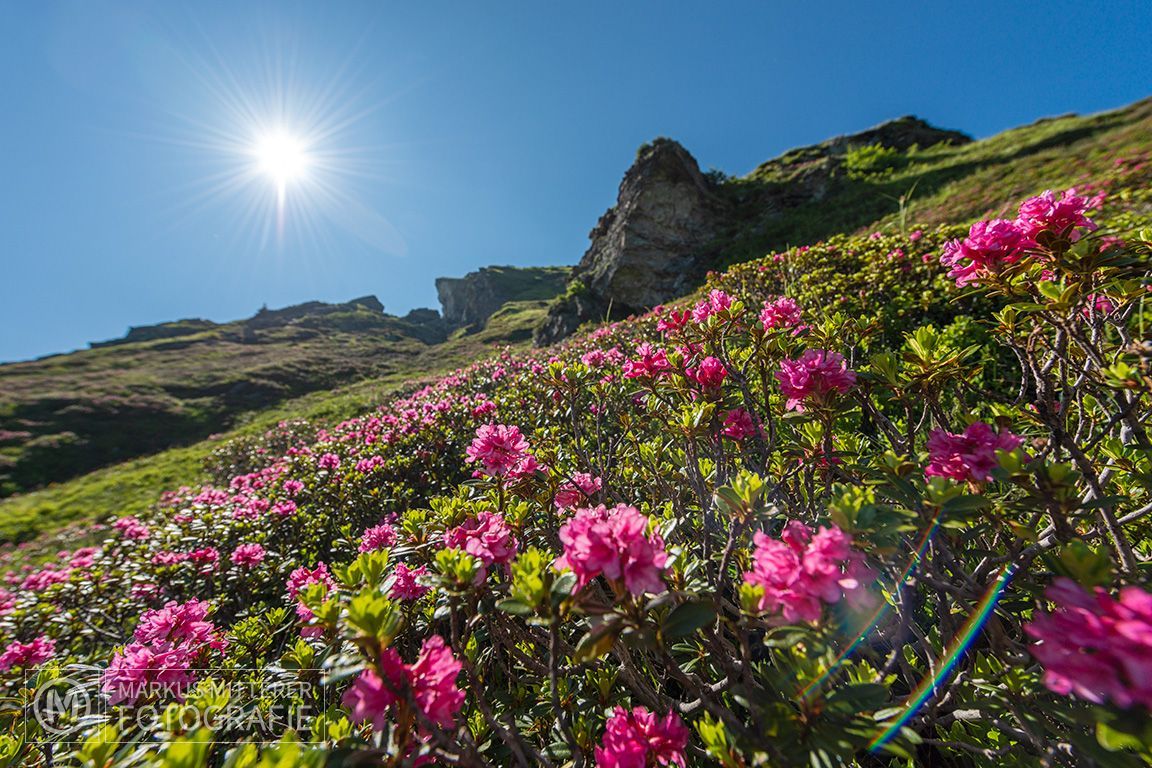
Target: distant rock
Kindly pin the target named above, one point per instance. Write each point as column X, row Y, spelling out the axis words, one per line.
column 426, row 325
column 648, row 247
column 356, row 314
column 369, row 306
column 170, row 330
column 469, row 301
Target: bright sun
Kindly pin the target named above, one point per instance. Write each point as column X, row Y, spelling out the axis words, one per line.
column 282, row 157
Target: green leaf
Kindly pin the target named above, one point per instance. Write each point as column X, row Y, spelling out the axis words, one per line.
column 1114, row 740
column 598, row 640
column 515, row 607
column 686, row 618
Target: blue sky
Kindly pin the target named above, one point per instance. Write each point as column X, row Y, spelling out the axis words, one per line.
column 447, row 136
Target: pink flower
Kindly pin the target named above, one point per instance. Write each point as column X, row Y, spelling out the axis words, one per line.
column 370, row 698
column 483, row 409
column 802, row 571
column 205, row 558
column 581, row 488
column 674, row 321
column 710, row 374
column 1100, row 303
column 141, row 670
column 293, row 487
column 613, row 543
column 27, row 655
column 248, row 555
column 594, row 358
column 970, row 455
column 85, row 557
column 639, row 738
column 405, row 583
column 813, row 378
column 179, row 624
column 782, row 312
column 738, row 424
column 651, row 363
column 301, row 578
column 717, row 302
column 486, row 537
column 165, row 558
column 498, row 448
column 131, row 528
column 1095, row 646
column 1061, row 214
column 431, row 681
column 378, row 537
column 989, row 246
column 329, row 461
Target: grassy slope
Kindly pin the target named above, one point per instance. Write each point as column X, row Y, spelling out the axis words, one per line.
column 174, row 384
column 68, row 414
column 134, row 485
column 941, row 184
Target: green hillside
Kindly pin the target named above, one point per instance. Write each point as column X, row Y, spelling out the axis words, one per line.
column 869, row 187
column 132, row 486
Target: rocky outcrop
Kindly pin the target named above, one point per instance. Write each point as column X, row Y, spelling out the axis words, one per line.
column 811, row 171
column 670, row 221
column 369, row 306
column 171, row 330
column 469, row 301
column 649, row 246
column 426, row 325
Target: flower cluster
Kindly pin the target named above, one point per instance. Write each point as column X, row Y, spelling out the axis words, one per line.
column 813, row 378
column 1096, row 646
column 378, row 537
column 167, row 643
column 27, row 655
column 650, row 363
column 613, row 543
column 970, row 455
column 780, row 313
column 430, row 682
column 709, row 374
column 716, row 302
column 501, row 451
column 638, row 738
column 801, row 571
column 303, row 577
column 486, row 537
column 578, row 490
column 991, row 245
column 248, row 555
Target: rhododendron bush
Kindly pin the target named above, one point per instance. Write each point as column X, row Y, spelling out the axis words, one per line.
column 765, row 527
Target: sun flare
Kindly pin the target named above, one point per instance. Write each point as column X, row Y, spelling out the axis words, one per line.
column 282, row 157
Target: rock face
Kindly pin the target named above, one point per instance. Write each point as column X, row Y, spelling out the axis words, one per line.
column 469, row 301
column 670, row 221
column 649, row 246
